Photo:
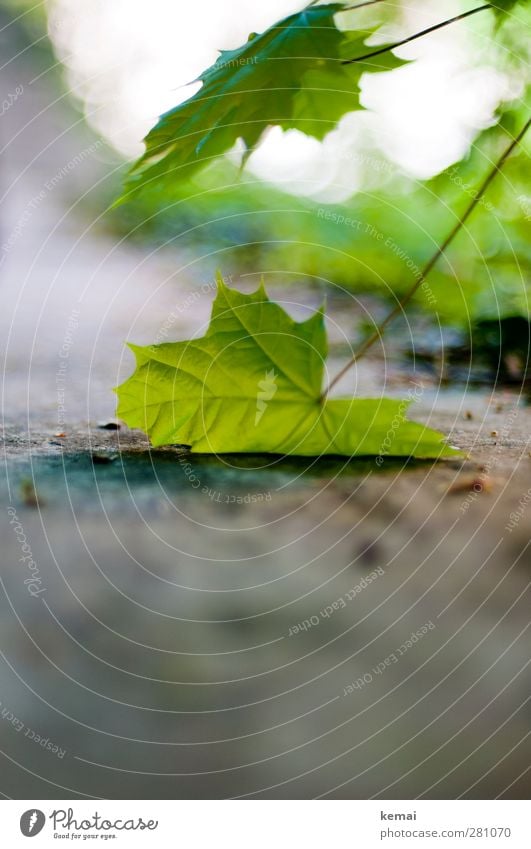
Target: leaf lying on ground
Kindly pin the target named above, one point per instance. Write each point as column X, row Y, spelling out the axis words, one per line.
column 253, row 384
column 290, row 76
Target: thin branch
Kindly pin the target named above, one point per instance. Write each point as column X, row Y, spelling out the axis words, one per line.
column 423, row 32
column 377, row 334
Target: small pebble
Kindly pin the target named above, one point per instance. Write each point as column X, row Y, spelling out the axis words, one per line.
column 476, row 484
column 110, row 425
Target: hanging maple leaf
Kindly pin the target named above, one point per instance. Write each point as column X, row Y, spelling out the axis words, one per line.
column 290, row 76
column 253, row 383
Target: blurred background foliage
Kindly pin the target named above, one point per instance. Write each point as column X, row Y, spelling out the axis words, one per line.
column 255, row 227
column 389, row 228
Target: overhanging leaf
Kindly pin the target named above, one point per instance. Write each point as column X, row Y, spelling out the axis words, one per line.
column 291, row 76
column 253, row 384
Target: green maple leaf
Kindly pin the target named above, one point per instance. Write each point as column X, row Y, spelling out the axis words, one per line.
column 291, row 76
column 252, row 383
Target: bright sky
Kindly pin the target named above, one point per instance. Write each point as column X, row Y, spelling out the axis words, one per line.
column 130, row 60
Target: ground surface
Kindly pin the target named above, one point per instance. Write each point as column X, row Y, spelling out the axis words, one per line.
column 162, row 651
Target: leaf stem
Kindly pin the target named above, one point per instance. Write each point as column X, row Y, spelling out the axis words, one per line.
column 377, row 334
column 423, row 32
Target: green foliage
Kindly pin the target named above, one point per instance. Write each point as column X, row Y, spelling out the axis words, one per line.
column 253, row 384
column 258, row 226
column 501, row 7
column 290, row 76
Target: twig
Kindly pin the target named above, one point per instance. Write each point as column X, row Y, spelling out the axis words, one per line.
column 423, row 32
column 376, row 335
